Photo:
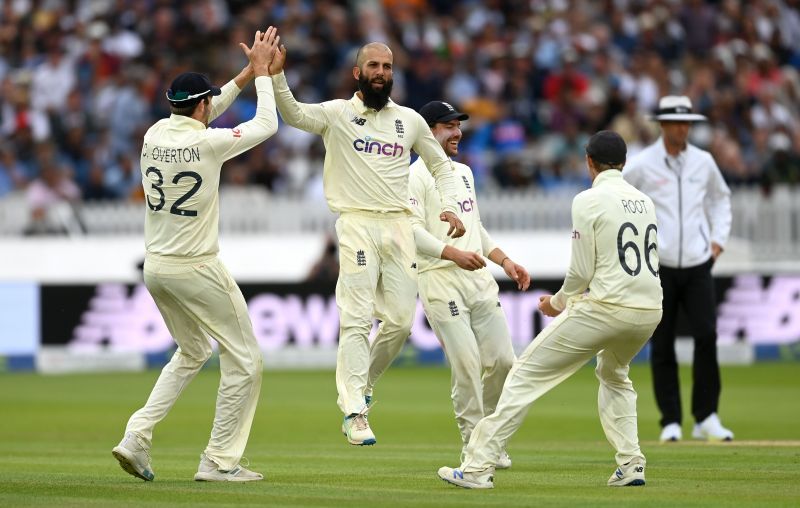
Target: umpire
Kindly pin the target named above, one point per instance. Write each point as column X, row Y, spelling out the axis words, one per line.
column 694, row 220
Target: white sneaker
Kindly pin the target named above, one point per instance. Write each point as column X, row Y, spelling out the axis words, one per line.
column 469, row 480
column 134, row 457
column 628, row 475
column 356, row 428
column 504, row 461
column 711, row 429
column 671, row 432
column 208, row 471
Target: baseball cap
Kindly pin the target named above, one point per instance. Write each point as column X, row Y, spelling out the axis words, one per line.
column 607, row 147
column 188, row 88
column 440, row 112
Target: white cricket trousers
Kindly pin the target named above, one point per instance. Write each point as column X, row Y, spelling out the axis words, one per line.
column 464, row 311
column 376, row 280
column 198, row 298
column 584, row 329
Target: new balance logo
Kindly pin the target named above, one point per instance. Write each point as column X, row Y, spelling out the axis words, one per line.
column 358, row 121
column 457, row 473
column 453, row 308
column 361, row 258
column 639, row 469
column 498, row 303
column 413, row 265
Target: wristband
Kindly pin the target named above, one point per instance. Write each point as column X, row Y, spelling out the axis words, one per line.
column 503, row 261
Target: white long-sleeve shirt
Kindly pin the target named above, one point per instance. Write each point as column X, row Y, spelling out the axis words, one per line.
column 181, row 162
column 367, row 152
column 614, row 246
column 430, row 233
column 692, row 201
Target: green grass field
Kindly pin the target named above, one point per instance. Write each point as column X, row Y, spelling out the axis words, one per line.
column 56, row 435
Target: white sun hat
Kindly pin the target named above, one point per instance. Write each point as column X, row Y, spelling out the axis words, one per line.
column 676, row 108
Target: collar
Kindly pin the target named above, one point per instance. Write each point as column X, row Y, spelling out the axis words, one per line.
column 361, row 108
column 608, row 175
column 663, row 149
column 185, row 122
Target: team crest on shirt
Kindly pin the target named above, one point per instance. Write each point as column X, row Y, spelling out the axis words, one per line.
column 453, row 308
column 361, row 259
column 398, row 127
column 466, row 182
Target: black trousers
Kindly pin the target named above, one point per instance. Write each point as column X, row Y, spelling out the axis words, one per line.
column 693, row 290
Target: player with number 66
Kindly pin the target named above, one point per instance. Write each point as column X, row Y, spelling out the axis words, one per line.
column 615, row 257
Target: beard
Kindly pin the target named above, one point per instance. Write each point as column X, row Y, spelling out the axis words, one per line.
column 375, row 99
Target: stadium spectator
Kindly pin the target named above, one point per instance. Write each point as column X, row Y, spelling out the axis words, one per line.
column 738, row 62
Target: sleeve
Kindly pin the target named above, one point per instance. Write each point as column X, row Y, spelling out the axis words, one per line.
column 582, row 260
column 308, row 117
column 223, row 101
column 418, row 193
column 437, row 163
column 718, row 204
column 228, row 143
column 487, row 244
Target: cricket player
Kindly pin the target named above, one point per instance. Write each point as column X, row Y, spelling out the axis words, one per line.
column 614, row 256
column 368, row 141
column 197, row 297
column 460, row 297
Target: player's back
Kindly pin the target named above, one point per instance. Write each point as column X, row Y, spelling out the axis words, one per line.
column 180, row 176
column 625, row 237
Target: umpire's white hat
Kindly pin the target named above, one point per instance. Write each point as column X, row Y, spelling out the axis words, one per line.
column 676, row 108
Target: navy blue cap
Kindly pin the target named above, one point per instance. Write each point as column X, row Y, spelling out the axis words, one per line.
column 440, row 112
column 607, row 147
column 188, row 88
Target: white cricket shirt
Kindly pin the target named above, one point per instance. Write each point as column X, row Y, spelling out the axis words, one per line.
column 614, row 246
column 367, row 152
column 181, row 162
column 430, row 233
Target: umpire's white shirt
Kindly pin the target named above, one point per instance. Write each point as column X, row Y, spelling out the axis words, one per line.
column 180, row 163
column 430, row 233
column 614, row 252
column 367, row 151
column 692, row 201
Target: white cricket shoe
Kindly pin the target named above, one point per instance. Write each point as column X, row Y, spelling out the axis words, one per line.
column 711, row 429
column 504, row 461
column 628, row 475
column 469, row 480
column 208, row 471
column 356, row 428
column 671, row 432
column 134, row 457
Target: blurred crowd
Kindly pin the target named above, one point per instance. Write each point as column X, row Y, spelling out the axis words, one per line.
column 81, row 80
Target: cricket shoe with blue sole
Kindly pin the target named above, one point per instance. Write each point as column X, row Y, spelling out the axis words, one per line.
column 628, row 475
column 356, row 429
column 134, row 457
column 468, row 479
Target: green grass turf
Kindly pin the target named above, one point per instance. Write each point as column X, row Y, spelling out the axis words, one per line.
column 56, row 435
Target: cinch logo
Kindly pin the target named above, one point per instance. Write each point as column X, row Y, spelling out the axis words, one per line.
column 368, row 145
column 467, row 205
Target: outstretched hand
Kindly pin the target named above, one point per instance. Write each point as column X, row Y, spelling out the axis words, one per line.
column 457, row 228
column 276, row 66
column 517, row 273
column 263, row 50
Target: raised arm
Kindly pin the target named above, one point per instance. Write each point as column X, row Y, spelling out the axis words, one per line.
column 228, row 143
column 308, row 117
